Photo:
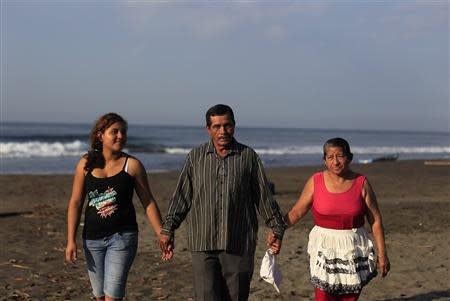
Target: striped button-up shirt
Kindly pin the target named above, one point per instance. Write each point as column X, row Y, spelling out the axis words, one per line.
column 220, row 198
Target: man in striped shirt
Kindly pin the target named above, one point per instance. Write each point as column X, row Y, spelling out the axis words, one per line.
column 221, row 188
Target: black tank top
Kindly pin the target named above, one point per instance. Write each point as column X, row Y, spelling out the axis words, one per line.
column 109, row 206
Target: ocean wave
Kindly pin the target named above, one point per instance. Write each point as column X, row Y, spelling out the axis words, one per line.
column 377, row 150
column 177, row 150
column 42, row 149
column 145, row 148
column 313, row 150
column 43, row 138
column 401, row 150
column 78, row 148
column 291, row 150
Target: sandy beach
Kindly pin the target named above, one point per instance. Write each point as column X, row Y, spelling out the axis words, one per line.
column 414, row 199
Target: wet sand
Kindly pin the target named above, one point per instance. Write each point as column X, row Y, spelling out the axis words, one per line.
column 414, row 199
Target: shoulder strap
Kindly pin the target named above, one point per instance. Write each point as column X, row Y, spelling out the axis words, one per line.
column 360, row 180
column 125, row 165
column 318, row 179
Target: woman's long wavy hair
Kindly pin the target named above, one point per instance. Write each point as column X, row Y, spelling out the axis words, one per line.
column 94, row 156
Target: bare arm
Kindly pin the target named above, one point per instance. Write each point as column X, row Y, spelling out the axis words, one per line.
column 145, row 195
column 74, row 211
column 303, row 204
column 376, row 223
column 295, row 214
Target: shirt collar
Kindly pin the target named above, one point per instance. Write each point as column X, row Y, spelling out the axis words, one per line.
column 233, row 147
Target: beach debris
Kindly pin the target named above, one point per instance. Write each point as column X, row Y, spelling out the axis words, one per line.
column 437, row 162
column 21, row 266
column 49, row 258
column 12, row 214
column 19, row 294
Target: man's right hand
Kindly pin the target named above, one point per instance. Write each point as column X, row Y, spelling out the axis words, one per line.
column 274, row 243
column 167, row 245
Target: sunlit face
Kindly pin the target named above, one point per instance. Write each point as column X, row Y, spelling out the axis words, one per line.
column 221, row 130
column 336, row 160
column 114, row 137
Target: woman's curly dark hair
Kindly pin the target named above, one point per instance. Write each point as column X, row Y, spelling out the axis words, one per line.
column 94, row 156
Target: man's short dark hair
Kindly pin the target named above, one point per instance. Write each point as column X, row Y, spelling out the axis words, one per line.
column 219, row 110
column 338, row 142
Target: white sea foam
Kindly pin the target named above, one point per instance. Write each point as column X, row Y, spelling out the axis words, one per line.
column 311, row 150
column 401, row 150
column 41, row 149
column 177, row 150
column 291, row 150
column 77, row 148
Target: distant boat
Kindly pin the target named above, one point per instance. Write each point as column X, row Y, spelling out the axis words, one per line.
column 388, row 157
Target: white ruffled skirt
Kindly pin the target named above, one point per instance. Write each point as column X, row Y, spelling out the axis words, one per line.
column 341, row 261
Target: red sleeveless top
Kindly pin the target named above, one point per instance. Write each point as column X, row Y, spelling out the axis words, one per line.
column 341, row 210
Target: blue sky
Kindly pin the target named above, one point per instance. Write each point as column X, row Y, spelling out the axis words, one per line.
column 308, row 64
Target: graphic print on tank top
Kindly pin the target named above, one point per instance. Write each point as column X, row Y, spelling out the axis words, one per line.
column 105, row 203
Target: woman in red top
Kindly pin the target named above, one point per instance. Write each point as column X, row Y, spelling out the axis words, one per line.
column 342, row 259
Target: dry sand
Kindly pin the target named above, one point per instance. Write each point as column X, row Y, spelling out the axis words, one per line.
column 413, row 197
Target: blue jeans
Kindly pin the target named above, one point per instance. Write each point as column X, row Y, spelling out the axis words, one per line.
column 109, row 260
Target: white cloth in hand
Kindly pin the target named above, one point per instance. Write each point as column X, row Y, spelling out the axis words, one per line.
column 270, row 271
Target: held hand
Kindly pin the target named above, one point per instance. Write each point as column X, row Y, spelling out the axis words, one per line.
column 71, row 252
column 274, row 243
column 167, row 246
column 383, row 265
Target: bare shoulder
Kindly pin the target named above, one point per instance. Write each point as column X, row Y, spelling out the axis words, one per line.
column 310, row 183
column 368, row 193
column 81, row 164
column 308, row 188
column 366, row 184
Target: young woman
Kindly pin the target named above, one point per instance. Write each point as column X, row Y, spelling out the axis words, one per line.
column 342, row 258
column 108, row 177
